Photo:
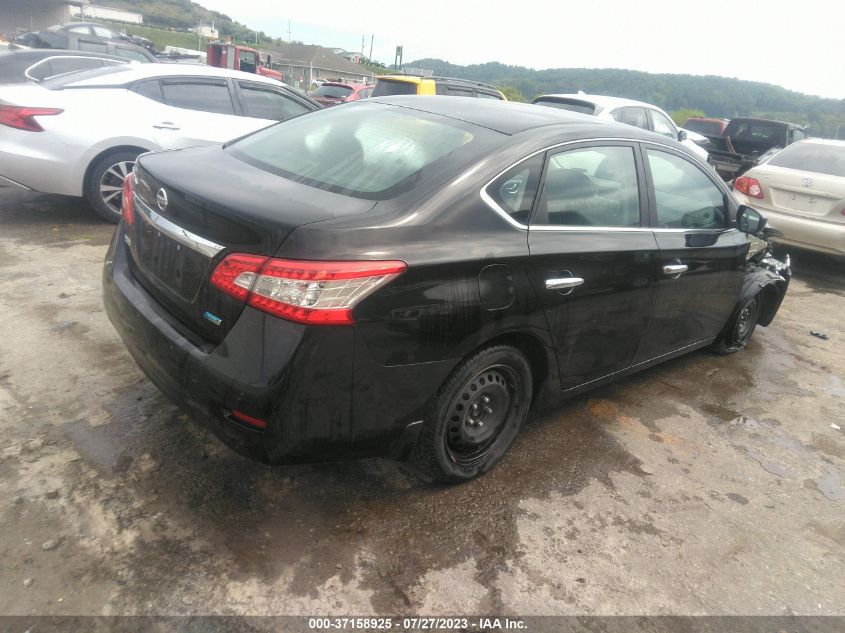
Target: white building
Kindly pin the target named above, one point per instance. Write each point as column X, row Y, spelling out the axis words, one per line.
column 95, row 12
column 207, row 31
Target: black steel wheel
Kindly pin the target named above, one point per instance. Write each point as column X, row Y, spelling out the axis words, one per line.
column 475, row 416
column 738, row 332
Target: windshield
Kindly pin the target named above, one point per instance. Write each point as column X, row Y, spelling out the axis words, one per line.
column 337, row 92
column 369, row 151
column 388, row 87
column 812, row 157
column 584, row 107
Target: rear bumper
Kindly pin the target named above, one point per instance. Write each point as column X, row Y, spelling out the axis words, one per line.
column 792, row 230
column 301, row 380
column 33, row 160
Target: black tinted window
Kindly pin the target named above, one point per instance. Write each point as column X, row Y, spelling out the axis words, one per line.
column 813, row 157
column 385, row 88
column 337, row 92
column 204, row 96
column 712, row 128
column 686, row 197
column 150, row 90
column 458, row 91
column 263, row 103
column 515, row 190
column 591, row 186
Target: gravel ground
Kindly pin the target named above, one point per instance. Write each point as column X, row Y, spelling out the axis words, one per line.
column 708, row 485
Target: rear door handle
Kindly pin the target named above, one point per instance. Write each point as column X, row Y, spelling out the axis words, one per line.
column 675, row 270
column 562, row 283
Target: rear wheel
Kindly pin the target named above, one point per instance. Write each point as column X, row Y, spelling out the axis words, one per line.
column 738, row 333
column 475, row 416
column 104, row 186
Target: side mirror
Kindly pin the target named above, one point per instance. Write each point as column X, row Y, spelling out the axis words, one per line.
column 750, row 221
column 682, row 135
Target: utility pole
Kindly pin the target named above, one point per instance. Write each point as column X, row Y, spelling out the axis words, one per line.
column 372, row 37
column 362, row 45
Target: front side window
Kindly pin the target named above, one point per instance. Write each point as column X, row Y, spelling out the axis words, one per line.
column 204, row 96
column 263, row 103
column 368, row 150
column 591, row 186
column 686, row 198
column 515, row 190
column 93, row 47
column 631, row 116
column 662, row 125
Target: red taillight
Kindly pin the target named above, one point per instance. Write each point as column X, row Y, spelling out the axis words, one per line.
column 257, row 423
column 23, row 118
column 749, row 186
column 319, row 293
column 128, row 203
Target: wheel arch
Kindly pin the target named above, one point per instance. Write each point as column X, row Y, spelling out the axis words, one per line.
column 109, row 150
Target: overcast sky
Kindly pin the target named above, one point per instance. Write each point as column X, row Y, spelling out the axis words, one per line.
column 798, row 45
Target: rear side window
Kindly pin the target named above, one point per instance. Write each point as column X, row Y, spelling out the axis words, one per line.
column 515, row 190
column 264, row 103
column 662, row 125
column 368, row 151
column 150, row 90
column 62, row 65
column 812, row 157
column 591, row 186
column 631, row 116
column 568, row 104
column 386, row 88
column 206, row 96
column 686, row 197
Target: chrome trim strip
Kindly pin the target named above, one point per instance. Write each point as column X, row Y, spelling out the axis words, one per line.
column 488, row 200
column 703, row 341
column 176, row 232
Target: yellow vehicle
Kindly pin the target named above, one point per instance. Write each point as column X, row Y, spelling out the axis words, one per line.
column 388, row 85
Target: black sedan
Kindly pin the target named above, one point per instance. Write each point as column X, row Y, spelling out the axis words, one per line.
column 23, row 66
column 409, row 276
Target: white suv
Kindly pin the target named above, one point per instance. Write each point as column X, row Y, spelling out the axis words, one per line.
column 79, row 134
column 636, row 113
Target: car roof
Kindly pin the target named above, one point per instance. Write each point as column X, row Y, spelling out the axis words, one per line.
column 119, row 75
column 821, row 141
column 599, row 100
column 507, row 117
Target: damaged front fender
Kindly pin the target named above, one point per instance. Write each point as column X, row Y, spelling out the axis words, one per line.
column 769, row 278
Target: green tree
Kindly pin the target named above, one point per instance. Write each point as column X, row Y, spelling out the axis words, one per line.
column 681, row 115
column 511, row 93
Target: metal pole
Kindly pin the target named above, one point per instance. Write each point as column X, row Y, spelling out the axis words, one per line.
column 372, row 37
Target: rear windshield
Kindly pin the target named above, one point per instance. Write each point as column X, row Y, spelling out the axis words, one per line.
column 710, row 128
column 368, row 151
column 812, row 157
column 337, row 92
column 758, row 132
column 584, row 107
column 62, row 81
column 387, row 88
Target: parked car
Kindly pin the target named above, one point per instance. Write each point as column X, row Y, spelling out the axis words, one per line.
column 706, row 126
column 628, row 111
column 334, row 92
column 748, row 141
column 79, row 134
column 801, row 189
column 86, row 39
column 94, row 30
column 309, row 291
column 23, row 66
column 387, row 85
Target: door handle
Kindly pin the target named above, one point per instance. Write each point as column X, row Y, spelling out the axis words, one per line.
column 562, row 283
column 166, row 125
column 675, row 270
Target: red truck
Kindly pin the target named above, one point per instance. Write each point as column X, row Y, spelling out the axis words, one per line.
column 238, row 57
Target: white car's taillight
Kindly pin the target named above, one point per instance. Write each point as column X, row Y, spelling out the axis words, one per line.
column 314, row 292
column 23, row 118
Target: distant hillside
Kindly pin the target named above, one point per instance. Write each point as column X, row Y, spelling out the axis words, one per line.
column 184, row 14
column 716, row 96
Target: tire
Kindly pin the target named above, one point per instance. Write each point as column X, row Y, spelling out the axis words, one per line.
column 104, row 185
column 475, row 416
column 738, row 332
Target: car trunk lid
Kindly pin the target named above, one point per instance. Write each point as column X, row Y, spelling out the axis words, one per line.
column 193, row 207
column 800, row 193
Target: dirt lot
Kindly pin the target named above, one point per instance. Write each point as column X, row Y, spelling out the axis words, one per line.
column 709, row 485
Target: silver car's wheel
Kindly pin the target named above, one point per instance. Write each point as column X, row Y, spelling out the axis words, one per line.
column 104, row 182
column 111, row 184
